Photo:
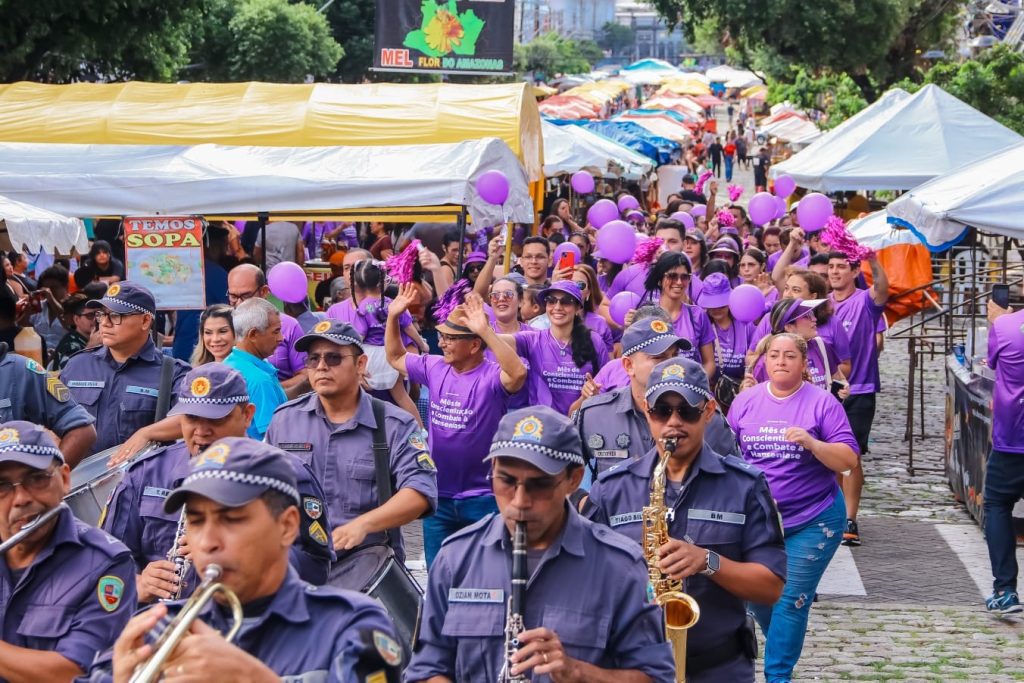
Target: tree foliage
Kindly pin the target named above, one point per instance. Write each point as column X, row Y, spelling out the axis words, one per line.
column 552, row 54
column 836, row 97
column 616, row 38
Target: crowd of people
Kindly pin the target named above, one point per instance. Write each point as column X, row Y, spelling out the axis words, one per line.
column 472, row 383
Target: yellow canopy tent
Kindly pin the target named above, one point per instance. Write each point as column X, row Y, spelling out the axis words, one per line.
column 685, row 87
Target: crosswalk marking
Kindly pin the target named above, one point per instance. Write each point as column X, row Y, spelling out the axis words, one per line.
column 842, row 576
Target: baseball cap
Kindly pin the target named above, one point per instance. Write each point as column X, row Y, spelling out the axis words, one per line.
column 652, row 336
column 725, row 244
column 679, row 376
column 540, row 436
column 715, row 291
column 211, row 391
column 234, row 471
column 28, row 444
column 126, row 297
column 695, row 234
column 334, row 331
column 565, row 287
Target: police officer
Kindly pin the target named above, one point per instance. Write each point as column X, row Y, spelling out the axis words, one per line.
column 332, row 430
column 614, row 425
column 213, row 403
column 604, row 629
column 242, row 510
column 119, row 382
column 725, row 541
column 63, row 586
column 28, row 393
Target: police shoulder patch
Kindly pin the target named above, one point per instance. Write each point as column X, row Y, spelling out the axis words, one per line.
column 313, row 507
column 388, row 648
column 416, row 441
column 317, row 533
column 109, row 590
column 33, row 366
column 426, row 462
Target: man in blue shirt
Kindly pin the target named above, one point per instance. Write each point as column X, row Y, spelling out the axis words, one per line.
column 257, row 333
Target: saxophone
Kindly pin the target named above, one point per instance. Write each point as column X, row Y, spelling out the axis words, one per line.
column 182, row 564
column 680, row 610
column 514, row 614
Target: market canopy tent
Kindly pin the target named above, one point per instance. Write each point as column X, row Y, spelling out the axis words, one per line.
column 987, row 195
column 899, row 144
column 568, row 149
column 36, row 229
column 216, row 180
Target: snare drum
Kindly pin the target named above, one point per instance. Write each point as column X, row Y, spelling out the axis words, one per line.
column 93, row 481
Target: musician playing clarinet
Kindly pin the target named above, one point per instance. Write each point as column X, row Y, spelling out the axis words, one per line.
column 584, row 613
column 64, row 586
column 213, row 402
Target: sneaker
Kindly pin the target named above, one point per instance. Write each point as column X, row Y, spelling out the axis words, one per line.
column 851, row 536
column 1004, row 602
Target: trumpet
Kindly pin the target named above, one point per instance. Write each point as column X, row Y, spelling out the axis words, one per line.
column 31, row 527
column 150, row 671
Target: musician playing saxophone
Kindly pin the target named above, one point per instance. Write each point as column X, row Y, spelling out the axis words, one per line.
column 242, row 514
column 584, row 612
column 213, row 403
column 65, row 585
column 725, row 543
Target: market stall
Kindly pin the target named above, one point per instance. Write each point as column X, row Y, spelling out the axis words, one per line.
column 24, row 226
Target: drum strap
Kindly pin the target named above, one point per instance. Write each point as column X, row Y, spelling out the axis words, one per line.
column 381, row 464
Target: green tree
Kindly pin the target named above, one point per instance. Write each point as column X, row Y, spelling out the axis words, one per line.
column 552, row 54
column 616, row 38
column 352, row 25
column 837, row 97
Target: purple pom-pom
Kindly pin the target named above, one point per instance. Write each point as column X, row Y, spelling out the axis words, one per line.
column 704, row 177
column 836, row 236
column 453, row 297
column 647, row 250
column 734, row 192
column 400, row 266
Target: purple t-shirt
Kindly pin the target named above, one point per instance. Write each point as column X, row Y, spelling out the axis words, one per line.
column 801, row 484
column 285, row 358
column 1006, row 357
column 465, row 409
column 731, row 348
column 364, row 319
column 598, row 324
column 694, row 326
column 858, row 315
column 815, row 365
column 803, row 261
column 554, row 379
column 612, row 376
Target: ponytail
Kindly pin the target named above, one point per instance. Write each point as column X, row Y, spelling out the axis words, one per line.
column 583, row 350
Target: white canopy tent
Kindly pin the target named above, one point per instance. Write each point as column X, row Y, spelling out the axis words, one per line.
column 875, row 232
column 794, row 130
column 897, row 144
column 987, row 195
column 114, row 180
column 568, row 149
column 36, row 229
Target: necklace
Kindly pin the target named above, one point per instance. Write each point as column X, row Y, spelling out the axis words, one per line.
column 561, row 347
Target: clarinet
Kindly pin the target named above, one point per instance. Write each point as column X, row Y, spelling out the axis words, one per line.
column 514, row 616
column 182, row 564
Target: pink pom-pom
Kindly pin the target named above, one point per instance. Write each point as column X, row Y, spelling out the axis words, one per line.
column 725, row 218
column 704, row 177
column 647, row 250
column 400, row 266
column 837, row 237
column 454, row 296
column 734, row 192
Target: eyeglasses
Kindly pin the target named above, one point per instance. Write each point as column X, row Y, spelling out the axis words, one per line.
column 91, row 315
column 35, row 482
column 662, row 412
column 559, row 301
column 239, row 298
column 114, row 318
column 539, row 487
column 332, row 360
column 534, row 257
column 503, row 296
column 448, row 338
column 677, row 277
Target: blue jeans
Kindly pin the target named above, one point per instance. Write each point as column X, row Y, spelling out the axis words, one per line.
column 453, row 514
column 1004, row 486
column 809, row 549
column 728, row 169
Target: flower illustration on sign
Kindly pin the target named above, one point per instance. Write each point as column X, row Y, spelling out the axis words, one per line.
column 445, row 30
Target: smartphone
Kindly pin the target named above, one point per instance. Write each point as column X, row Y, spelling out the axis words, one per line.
column 1001, row 295
column 567, row 260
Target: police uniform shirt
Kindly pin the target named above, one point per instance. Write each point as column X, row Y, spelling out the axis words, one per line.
column 724, row 505
column 135, row 514
column 121, row 396
column 341, row 456
column 28, row 393
column 76, row 596
column 606, row 620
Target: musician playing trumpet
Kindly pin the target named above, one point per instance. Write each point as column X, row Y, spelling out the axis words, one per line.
column 584, row 615
column 242, row 514
column 724, row 542
column 68, row 588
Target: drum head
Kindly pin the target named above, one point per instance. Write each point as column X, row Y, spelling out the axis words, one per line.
column 359, row 570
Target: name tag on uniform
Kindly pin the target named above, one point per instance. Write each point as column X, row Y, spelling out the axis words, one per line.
column 5, row 403
column 155, row 492
column 85, row 384
column 715, row 516
column 288, row 446
column 627, row 518
column 476, row 595
column 143, row 391
column 618, row 455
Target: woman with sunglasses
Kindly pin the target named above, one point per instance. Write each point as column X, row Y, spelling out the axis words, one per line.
column 586, row 279
column 563, row 356
column 668, row 283
column 798, row 435
column 216, row 336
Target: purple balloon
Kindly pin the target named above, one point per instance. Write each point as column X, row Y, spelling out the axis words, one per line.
column 288, row 282
column 698, row 210
column 617, row 241
column 781, row 208
column 582, row 182
column 762, row 208
column 620, row 305
column 784, row 186
column 627, row 202
column 684, row 218
column 812, row 212
column 746, row 303
column 603, row 211
column 564, row 247
column 492, row 187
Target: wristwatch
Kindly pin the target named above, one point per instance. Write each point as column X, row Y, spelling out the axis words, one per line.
column 711, row 563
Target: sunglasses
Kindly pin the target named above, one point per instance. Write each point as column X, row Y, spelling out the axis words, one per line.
column 447, row 338
column 677, row 277
column 560, row 301
column 539, row 487
column 503, row 296
column 662, row 412
column 331, row 360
